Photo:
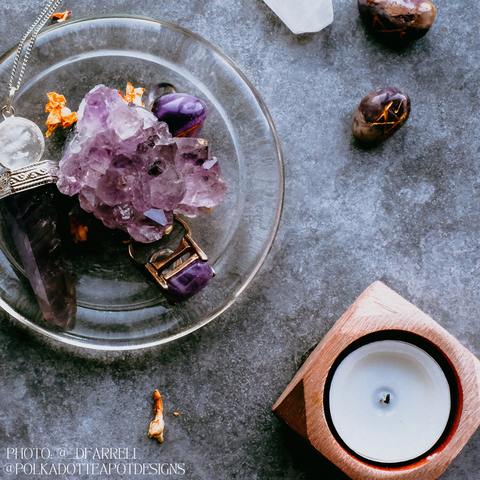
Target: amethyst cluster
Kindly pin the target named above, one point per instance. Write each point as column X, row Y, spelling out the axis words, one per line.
column 130, row 172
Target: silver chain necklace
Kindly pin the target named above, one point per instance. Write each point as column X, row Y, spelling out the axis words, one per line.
column 21, row 140
column 31, row 33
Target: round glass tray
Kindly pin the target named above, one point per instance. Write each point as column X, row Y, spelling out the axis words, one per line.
column 118, row 308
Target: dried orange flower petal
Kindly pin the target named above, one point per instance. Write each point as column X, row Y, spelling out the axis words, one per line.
column 59, row 113
column 54, row 101
column 53, row 121
column 50, row 130
column 157, row 426
column 68, row 117
column 133, row 95
column 62, row 16
column 54, row 117
column 78, row 231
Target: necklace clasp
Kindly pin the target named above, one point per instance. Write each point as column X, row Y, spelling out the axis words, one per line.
column 8, row 110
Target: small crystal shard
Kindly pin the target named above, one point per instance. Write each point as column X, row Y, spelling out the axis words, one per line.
column 128, row 170
column 157, row 215
column 32, row 220
column 303, row 16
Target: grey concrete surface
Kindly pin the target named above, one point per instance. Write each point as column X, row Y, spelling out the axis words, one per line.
column 406, row 212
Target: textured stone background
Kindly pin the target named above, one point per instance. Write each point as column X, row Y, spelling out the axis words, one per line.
column 406, row 213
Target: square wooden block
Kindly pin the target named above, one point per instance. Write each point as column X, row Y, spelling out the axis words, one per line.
column 380, row 311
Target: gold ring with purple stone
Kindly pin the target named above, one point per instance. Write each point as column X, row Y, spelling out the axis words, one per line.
column 179, row 273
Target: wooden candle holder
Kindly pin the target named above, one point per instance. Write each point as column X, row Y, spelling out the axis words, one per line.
column 380, row 311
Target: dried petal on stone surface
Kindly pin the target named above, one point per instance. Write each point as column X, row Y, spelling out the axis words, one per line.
column 53, row 121
column 157, row 425
column 130, row 173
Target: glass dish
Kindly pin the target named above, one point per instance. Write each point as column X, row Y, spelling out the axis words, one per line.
column 118, row 309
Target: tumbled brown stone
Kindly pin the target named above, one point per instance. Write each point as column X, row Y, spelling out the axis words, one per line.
column 397, row 22
column 380, row 114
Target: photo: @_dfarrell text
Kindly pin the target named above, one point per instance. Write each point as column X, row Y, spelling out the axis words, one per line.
column 76, row 453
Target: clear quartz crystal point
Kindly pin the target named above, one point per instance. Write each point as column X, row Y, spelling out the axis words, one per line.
column 302, row 16
column 21, row 143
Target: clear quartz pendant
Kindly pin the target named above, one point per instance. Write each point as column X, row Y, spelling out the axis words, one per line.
column 21, row 143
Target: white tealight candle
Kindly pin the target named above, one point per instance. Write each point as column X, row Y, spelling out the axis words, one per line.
column 389, row 401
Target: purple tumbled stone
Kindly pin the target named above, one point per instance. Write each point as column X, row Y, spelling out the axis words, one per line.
column 189, row 281
column 130, row 173
column 380, row 114
column 397, row 22
column 31, row 217
column 183, row 114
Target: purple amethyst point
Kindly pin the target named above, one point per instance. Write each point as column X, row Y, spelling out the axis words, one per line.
column 31, row 217
column 188, row 282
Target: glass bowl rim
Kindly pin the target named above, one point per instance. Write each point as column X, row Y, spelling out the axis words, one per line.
column 279, row 208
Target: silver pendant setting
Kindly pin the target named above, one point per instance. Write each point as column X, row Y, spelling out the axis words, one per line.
column 26, row 178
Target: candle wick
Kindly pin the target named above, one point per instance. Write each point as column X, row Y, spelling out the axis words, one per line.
column 386, row 399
